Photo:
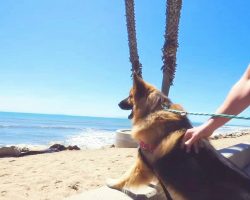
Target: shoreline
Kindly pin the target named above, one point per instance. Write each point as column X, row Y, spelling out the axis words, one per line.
column 218, row 134
column 230, row 134
column 215, row 136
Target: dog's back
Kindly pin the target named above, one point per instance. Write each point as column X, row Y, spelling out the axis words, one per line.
column 203, row 176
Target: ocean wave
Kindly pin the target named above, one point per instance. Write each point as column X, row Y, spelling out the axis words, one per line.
column 92, row 139
column 29, row 146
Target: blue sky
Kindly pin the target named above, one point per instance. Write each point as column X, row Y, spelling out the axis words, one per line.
column 71, row 57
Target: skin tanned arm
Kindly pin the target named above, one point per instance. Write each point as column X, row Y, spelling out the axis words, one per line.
column 237, row 100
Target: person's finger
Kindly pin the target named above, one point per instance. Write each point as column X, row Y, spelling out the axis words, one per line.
column 196, row 147
column 201, row 144
column 188, row 149
column 185, row 138
column 190, row 142
column 188, row 145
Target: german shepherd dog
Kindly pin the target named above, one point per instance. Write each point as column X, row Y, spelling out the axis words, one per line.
column 206, row 175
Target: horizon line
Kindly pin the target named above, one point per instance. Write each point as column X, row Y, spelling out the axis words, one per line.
column 61, row 114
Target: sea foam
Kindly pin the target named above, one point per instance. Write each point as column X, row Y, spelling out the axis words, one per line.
column 92, row 139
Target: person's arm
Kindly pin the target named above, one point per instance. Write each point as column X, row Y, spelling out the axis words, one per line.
column 237, row 100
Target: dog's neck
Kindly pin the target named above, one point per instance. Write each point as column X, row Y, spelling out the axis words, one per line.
column 147, row 147
column 149, row 142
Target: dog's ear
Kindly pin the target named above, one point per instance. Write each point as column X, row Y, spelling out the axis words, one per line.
column 139, row 86
column 157, row 100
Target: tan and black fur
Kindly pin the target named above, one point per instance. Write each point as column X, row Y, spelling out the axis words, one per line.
column 187, row 176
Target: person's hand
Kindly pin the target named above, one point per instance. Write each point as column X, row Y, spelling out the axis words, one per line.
column 193, row 136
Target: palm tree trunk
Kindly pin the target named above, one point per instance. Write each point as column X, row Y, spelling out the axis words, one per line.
column 134, row 57
column 173, row 10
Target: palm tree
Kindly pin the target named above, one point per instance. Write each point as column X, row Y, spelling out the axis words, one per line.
column 173, row 10
column 134, row 57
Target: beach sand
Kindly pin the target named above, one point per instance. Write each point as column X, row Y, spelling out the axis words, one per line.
column 59, row 175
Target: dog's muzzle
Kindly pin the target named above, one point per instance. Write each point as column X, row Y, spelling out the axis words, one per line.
column 125, row 105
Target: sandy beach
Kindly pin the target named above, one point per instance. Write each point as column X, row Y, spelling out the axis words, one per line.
column 59, row 175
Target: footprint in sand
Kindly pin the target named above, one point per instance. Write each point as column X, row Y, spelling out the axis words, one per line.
column 44, row 187
column 2, row 175
column 3, row 193
column 57, row 183
column 75, row 186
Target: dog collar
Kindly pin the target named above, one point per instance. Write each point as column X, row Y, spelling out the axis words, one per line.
column 147, row 147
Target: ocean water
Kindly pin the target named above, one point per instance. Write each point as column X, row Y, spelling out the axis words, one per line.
column 24, row 129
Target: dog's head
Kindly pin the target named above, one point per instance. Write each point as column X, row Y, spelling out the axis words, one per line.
column 143, row 99
column 128, row 103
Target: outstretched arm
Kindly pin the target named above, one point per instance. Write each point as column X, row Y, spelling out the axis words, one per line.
column 236, row 101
